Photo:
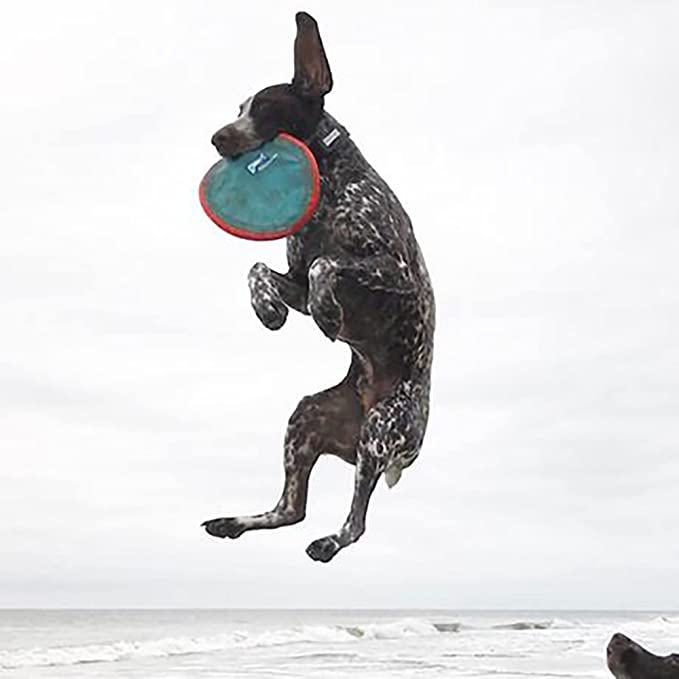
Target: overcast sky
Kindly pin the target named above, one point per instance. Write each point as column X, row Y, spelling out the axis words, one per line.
column 536, row 148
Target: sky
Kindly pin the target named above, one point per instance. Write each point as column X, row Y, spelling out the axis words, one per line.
column 536, row 149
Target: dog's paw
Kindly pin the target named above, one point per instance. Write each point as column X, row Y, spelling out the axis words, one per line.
column 323, row 549
column 270, row 311
column 265, row 299
column 224, row 528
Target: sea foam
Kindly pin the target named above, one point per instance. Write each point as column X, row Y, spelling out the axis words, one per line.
column 126, row 650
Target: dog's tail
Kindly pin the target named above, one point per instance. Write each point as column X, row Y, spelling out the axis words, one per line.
column 392, row 474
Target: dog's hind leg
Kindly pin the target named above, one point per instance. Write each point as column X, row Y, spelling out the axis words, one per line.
column 391, row 436
column 327, row 422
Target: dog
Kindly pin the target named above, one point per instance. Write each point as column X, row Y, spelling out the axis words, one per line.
column 628, row 660
column 358, row 271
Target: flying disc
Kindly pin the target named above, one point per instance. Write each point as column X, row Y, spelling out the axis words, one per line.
column 264, row 194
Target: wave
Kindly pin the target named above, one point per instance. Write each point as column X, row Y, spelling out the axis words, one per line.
column 399, row 629
column 521, row 625
column 664, row 620
column 127, row 650
column 447, row 627
column 485, row 655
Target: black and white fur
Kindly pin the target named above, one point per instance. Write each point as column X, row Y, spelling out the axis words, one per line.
column 357, row 270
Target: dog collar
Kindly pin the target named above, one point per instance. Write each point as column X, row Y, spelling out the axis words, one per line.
column 328, row 138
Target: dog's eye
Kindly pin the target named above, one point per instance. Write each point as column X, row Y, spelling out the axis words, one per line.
column 260, row 106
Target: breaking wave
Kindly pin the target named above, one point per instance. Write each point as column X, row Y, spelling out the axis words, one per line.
column 126, row 650
column 446, row 627
column 521, row 625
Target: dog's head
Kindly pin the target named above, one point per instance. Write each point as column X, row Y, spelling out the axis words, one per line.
column 295, row 108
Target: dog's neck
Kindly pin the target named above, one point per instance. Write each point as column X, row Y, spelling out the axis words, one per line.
column 329, row 140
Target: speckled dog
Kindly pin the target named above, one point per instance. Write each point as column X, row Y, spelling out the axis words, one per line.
column 357, row 270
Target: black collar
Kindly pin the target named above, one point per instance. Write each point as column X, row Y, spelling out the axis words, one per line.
column 328, row 138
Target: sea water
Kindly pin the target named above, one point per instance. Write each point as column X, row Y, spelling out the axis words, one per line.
column 177, row 644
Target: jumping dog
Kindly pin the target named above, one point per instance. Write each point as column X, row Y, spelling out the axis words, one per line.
column 358, row 271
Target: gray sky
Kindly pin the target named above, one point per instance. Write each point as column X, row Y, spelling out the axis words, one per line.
column 536, row 149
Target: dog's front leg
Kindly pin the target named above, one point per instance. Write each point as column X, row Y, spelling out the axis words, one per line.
column 323, row 304
column 271, row 293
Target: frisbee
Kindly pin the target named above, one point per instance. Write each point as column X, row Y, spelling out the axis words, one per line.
column 264, row 194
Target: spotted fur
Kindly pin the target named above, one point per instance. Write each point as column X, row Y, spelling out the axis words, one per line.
column 358, row 271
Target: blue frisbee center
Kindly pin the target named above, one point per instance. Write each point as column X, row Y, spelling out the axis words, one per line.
column 264, row 191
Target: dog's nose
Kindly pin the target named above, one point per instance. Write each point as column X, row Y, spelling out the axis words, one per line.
column 221, row 136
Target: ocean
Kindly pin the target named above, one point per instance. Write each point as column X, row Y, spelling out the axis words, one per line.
column 195, row 644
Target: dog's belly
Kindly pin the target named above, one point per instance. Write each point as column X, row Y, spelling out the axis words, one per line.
column 383, row 363
column 393, row 329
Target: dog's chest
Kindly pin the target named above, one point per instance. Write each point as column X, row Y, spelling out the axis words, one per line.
column 357, row 216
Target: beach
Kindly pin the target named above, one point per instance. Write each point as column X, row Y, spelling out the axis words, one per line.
column 150, row 644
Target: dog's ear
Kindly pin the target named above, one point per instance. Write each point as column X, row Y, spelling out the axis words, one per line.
column 312, row 71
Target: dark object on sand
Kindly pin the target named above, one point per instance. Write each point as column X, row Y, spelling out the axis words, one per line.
column 628, row 660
